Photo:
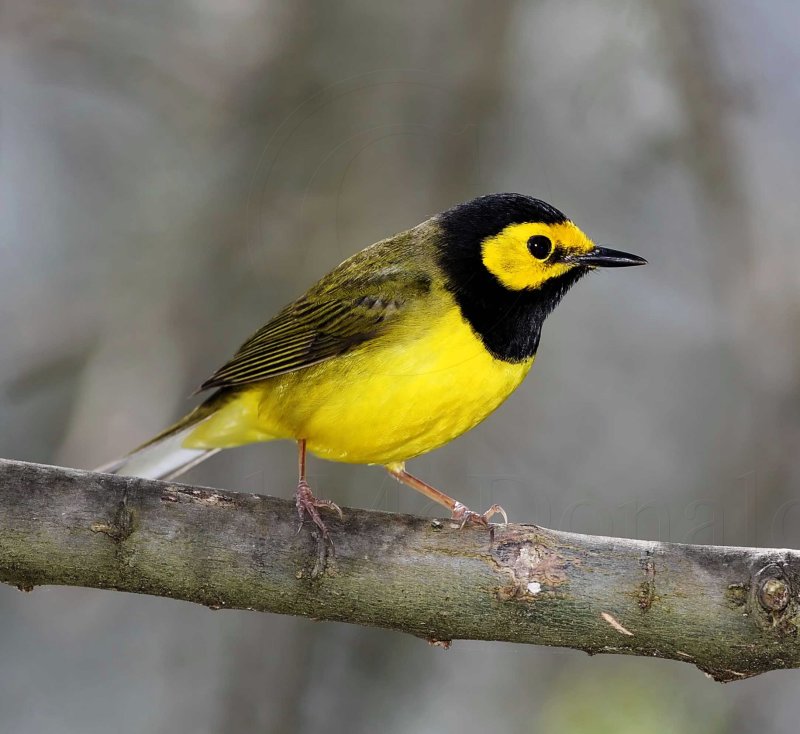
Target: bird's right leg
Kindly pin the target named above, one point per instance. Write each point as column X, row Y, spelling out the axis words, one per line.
column 458, row 511
column 306, row 502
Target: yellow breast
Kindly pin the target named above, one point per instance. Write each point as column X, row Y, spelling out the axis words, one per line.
column 385, row 402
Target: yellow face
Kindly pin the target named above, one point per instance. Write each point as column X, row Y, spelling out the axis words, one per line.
column 525, row 256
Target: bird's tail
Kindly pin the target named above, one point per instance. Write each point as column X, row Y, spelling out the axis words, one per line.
column 164, row 456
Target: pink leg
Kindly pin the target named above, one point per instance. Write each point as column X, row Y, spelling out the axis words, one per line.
column 458, row 511
column 306, row 502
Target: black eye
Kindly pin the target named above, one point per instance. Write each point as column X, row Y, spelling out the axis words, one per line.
column 540, row 246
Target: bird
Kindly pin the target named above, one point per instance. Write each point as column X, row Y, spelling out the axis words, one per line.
column 400, row 349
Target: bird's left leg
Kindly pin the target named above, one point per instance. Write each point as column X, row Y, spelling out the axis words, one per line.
column 459, row 512
column 306, row 502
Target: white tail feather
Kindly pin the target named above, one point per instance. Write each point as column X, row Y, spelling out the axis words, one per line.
column 165, row 459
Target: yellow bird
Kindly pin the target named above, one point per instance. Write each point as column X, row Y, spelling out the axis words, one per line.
column 397, row 351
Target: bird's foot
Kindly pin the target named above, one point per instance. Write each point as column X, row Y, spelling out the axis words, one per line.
column 308, row 506
column 462, row 514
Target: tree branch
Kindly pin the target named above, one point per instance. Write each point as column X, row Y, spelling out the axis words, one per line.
column 733, row 612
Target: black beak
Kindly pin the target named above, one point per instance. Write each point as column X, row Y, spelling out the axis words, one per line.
column 605, row 257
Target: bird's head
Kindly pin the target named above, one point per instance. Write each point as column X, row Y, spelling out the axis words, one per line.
column 509, row 259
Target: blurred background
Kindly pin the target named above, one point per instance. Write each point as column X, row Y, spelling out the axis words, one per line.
column 173, row 172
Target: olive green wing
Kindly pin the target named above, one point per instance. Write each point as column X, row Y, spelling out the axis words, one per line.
column 343, row 311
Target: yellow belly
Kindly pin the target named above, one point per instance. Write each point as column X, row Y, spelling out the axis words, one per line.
column 382, row 403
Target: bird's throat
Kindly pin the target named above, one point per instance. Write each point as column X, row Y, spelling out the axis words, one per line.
column 508, row 323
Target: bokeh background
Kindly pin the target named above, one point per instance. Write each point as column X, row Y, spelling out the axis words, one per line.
column 175, row 171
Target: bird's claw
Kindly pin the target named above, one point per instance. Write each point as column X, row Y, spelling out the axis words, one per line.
column 462, row 514
column 308, row 506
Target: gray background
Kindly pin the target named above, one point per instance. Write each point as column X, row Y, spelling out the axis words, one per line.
column 173, row 172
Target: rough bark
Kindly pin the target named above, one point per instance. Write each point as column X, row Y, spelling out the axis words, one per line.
column 733, row 612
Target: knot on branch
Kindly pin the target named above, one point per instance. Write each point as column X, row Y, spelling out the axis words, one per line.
column 533, row 565
column 774, row 597
column 121, row 526
column 646, row 593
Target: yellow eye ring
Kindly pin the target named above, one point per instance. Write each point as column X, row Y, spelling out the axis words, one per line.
column 540, row 246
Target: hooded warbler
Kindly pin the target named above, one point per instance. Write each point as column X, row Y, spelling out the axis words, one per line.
column 397, row 351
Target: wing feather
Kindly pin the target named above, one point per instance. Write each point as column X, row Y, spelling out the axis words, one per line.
column 354, row 304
